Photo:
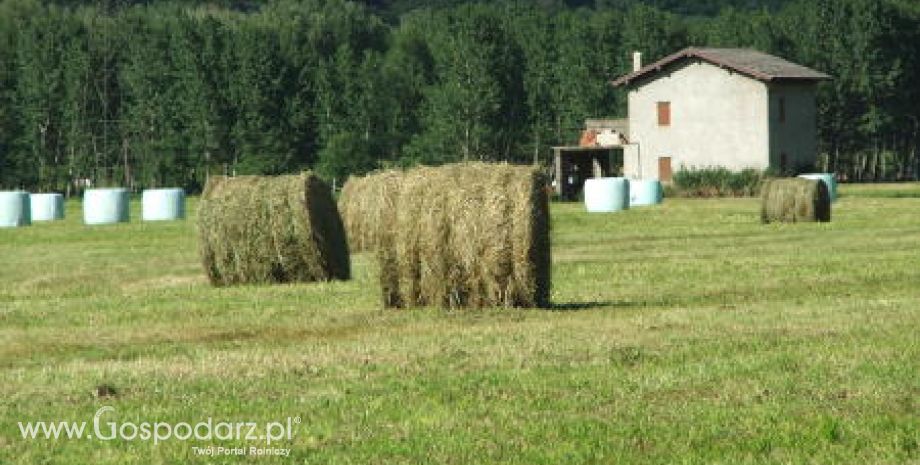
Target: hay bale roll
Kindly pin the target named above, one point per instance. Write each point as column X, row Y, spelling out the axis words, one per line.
column 606, row 195
column 264, row 229
column 829, row 179
column 15, row 209
column 105, row 206
column 643, row 192
column 163, row 204
column 47, row 207
column 466, row 235
column 361, row 203
column 793, row 200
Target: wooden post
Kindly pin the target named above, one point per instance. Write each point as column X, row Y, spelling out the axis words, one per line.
column 598, row 169
column 557, row 162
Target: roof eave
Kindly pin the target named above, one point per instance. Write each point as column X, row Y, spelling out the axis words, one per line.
column 821, row 78
column 656, row 66
column 629, row 78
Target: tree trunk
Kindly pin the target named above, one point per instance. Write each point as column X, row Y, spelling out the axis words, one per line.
column 124, row 151
column 536, row 147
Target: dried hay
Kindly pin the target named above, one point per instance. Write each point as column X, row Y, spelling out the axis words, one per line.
column 466, row 235
column 262, row 229
column 793, row 200
column 361, row 203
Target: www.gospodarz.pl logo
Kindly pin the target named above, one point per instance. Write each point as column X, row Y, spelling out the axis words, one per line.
column 105, row 429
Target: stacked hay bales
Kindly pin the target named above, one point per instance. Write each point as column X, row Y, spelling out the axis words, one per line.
column 261, row 229
column 15, row 209
column 105, row 206
column 163, row 204
column 794, row 200
column 606, row 195
column 361, row 205
column 47, row 207
column 465, row 235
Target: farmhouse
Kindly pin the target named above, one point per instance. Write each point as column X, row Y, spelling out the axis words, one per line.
column 707, row 107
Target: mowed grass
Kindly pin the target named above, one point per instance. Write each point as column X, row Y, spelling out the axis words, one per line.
column 687, row 333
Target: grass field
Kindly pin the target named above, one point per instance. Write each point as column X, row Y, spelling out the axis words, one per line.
column 688, row 333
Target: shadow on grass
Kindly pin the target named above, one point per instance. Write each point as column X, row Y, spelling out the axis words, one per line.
column 882, row 195
column 579, row 306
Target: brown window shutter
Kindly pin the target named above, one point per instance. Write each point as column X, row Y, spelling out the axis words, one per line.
column 664, row 113
column 664, row 169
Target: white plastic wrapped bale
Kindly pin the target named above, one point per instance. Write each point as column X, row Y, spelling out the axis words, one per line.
column 644, row 192
column 14, row 209
column 604, row 195
column 105, row 206
column 829, row 180
column 47, row 207
column 163, row 204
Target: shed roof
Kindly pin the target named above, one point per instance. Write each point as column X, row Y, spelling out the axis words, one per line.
column 752, row 63
column 620, row 125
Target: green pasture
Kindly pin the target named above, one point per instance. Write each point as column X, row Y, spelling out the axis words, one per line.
column 686, row 333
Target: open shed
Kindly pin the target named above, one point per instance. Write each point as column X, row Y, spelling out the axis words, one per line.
column 599, row 154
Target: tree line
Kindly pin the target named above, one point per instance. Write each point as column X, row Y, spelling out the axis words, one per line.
column 166, row 94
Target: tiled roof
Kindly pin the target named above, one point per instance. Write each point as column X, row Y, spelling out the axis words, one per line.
column 752, row 63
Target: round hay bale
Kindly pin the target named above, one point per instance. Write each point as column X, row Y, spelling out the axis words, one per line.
column 643, row 192
column 265, row 229
column 15, row 209
column 47, row 207
column 466, row 235
column 361, row 203
column 163, row 204
column 606, row 195
column 105, row 206
column 829, row 179
column 794, row 200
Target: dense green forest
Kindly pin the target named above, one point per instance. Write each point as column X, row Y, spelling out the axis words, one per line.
column 155, row 93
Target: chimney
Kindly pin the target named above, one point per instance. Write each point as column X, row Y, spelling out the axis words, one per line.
column 637, row 61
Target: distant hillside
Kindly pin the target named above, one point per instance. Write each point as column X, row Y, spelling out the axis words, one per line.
column 394, row 8
column 166, row 93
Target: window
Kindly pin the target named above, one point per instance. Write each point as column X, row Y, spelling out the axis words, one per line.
column 664, row 113
column 664, row 169
column 782, row 109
